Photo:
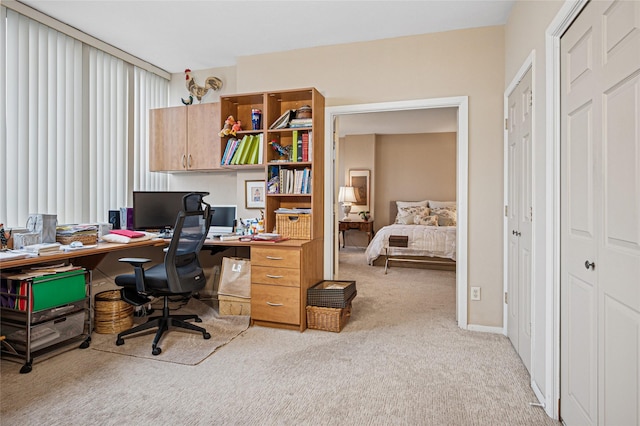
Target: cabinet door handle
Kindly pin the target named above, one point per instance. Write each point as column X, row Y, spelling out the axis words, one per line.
column 274, row 276
column 189, row 163
column 184, row 161
column 274, row 304
column 274, row 258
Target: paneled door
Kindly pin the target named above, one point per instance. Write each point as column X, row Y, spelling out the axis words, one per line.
column 519, row 211
column 600, row 216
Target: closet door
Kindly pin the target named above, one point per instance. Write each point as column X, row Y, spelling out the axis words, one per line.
column 519, row 209
column 600, row 216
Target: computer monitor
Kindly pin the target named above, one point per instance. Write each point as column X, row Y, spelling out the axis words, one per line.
column 223, row 219
column 156, row 210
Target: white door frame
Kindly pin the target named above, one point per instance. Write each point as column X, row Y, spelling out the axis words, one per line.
column 565, row 17
column 462, row 164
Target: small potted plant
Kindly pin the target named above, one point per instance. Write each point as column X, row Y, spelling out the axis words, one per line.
column 365, row 215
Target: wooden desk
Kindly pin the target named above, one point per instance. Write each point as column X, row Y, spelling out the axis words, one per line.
column 358, row 225
column 88, row 258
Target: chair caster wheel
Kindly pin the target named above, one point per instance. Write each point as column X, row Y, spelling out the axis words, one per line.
column 26, row 368
column 198, row 319
column 206, row 336
column 120, row 342
column 156, row 351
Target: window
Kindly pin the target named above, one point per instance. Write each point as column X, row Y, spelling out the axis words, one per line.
column 73, row 134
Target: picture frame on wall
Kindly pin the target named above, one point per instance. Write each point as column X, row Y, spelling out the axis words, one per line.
column 254, row 194
column 360, row 180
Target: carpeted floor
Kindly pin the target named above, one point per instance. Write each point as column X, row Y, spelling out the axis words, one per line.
column 401, row 359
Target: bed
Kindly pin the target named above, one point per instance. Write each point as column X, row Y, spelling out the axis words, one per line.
column 431, row 230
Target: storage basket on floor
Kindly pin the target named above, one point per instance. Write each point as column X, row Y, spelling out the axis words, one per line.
column 328, row 319
column 112, row 314
column 293, row 225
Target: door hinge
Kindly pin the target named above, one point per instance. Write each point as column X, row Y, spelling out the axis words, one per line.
column 506, row 124
column 505, row 298
column 506, row 211
column 531, row 213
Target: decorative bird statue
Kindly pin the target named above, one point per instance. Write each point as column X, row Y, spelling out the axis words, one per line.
column 283, row 151
column 198, row 91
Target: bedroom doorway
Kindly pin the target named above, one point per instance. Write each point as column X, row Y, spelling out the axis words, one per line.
column 332, row 114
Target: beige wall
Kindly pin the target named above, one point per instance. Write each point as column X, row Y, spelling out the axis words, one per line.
column 456, row 63
column 413, row 168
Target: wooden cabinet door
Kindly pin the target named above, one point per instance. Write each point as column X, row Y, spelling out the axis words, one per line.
column 167, row 139
column 203, row 142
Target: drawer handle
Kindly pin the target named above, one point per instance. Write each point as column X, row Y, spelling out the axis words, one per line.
column 274, row 276
column 274, row 258
column 275, row 304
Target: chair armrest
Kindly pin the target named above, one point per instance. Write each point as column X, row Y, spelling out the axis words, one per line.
column 137, row 263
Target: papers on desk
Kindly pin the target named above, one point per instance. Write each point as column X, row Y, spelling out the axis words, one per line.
column 42, row 248
column 14, row 255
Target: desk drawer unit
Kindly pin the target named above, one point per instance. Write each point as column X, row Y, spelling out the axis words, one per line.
column 275, row 257
column 275, row 304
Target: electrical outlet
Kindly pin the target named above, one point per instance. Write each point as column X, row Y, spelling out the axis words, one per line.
column 475, row 293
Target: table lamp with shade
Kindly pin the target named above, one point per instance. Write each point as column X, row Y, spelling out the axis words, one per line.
column 347, row 196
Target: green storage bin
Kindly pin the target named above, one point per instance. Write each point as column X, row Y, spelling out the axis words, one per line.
column 54, row 290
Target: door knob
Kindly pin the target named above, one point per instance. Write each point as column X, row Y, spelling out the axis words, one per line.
column 588, row 264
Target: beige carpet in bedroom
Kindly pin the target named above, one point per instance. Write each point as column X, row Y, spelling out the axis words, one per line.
column 401, row 359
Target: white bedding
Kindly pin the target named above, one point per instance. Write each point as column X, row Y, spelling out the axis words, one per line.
column 434, row 241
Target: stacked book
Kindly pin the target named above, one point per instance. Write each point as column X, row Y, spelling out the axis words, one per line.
column 294, row 181
column 302, row 146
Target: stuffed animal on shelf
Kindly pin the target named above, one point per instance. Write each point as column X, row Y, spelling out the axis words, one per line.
column 237, row 126
column 228, row 127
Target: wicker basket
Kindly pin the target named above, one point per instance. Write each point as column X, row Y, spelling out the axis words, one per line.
column 296, row 226
column 328, row 319
column 86, row 239
column 112, row 314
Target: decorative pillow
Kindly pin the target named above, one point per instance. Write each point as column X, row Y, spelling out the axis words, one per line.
column 115, row 238
column 446, row 216
column 401, row 204
column 406, row 215
column 426, row 220
column 441, row 204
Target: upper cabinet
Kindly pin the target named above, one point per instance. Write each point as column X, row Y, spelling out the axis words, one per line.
column 184, row 138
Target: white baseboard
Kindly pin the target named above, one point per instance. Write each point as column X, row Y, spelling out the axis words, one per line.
column 485, row 329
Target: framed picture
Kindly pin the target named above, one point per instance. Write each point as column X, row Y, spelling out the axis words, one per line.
column 254, row 194
column 360, row 180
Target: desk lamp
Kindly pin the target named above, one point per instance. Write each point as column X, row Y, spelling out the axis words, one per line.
column 347, row 196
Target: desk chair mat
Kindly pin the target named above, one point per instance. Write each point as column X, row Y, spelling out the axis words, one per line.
column 182, row 347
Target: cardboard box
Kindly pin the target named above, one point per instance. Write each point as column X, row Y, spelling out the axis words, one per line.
column 230, row 305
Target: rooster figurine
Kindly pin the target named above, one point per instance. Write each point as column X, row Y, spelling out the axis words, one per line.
column 198, row 91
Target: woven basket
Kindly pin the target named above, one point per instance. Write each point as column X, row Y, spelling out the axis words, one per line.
column 328, row 319
column 112, row 314
column 86, row 239
column 296, row 226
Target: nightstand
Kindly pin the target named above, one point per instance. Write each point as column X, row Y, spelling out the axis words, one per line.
column 358, row 225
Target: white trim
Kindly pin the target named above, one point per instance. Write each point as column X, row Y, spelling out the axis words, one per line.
column 563, row 19
column 484, row 329
column 462, row 103
column 83, row 37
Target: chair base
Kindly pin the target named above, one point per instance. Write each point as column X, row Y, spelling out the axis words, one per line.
column 163, row 323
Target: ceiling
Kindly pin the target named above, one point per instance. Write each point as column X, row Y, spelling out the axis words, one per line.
column 174, row 35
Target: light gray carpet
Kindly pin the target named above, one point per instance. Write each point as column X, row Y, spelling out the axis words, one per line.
column 401, row 359
column 182, row 347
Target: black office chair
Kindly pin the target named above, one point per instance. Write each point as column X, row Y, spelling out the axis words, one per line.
column 179, row 275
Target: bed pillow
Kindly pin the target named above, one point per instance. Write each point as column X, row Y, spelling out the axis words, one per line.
column 428, row 220
column 441, row 204
column 446, row 216
column 406, row 215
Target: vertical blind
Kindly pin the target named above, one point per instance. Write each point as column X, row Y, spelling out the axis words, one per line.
column 74, row 125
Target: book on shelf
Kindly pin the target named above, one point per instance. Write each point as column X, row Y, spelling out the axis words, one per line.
column 246, row 150
column 239, row 152
column 294, row 210
column 300, row 122
column 310, row 156
column 294, row 146
column 298, row 142
column 305, row 147
column 283, row 121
